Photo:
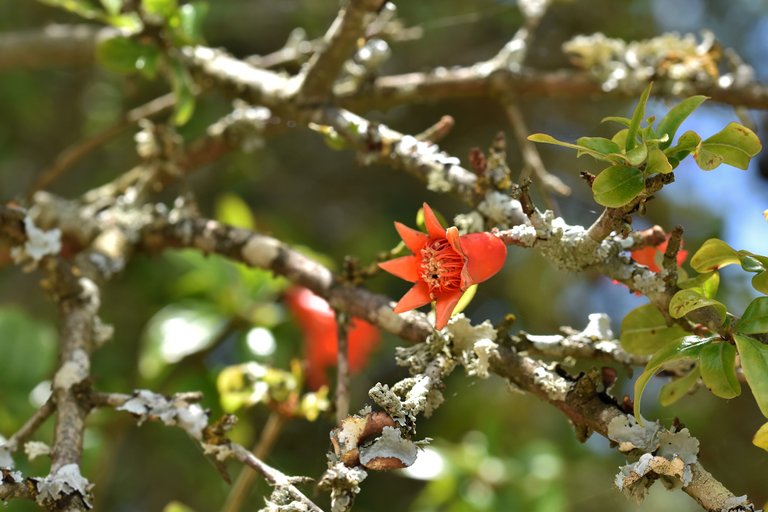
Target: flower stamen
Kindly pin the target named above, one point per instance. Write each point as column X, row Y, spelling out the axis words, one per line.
column 441, row 267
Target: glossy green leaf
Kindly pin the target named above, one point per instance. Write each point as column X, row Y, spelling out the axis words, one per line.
column 599, row 144
column 624, row 121
column 686, row 144
column 583, row 150
column 637, row 117
column 754, row 363
column 705, row 284
column 182, row 88
column 617, row 185
column 658, row 163
column 733, row 145
column 717, row 362
column 637, row 155
column 191, row 17
column 685, row 301
column 162, row 8
column 686, row 348
column 125, row 55
column 714, row 254
column 755, row 317
column 620, row 138
column 676, row 115
column 673, row 391
column 761, row 437
column 760, row 282
column 750, row 264
column 644, row 331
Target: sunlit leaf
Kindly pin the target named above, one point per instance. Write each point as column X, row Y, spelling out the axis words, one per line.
column 233, row 210
column 685, row 301
column 466, row 298
column 755, row 317
column 688, row 347
column 637, row 155
column 717, row 363
column 754, row 363
column 760, row 282
column 714, row 254
column 705, row 284
column 761, row 437
column 583, row 150
column 676, row 115
column 599, row 144
column 617, row 185
column 191, row 17
column 162, row 8
column 624, row 121
column 182, row 88
column 657, row 162
column 644, row 331
column 125, row 55
column 673, row 391
column 733, row 145
column 637, row 117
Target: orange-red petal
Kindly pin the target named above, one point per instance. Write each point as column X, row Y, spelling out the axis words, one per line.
column 414, row 298
column 434, row 228
column 485, row 255
column 414, row 240
column 444, row 306
column 405, row 267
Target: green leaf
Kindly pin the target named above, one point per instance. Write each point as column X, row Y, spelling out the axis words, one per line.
column 617, row 185
column 755, row 317
column 129, row 24
column 760, row 282
column 176, row 506
column 624, row 121
column 733, row 145
column 761, row 437
column 644, row 331
column 754, row 363
column 657, row 162
column 750, row 264
column 583, row 150
column 717, row 362
column 685, row 301
column 637, row 155
column 686, row 348
column 124, row 55
column 162, row 8
column 637, row 117
column 182, row 88
column 686, row 144
column 705, row 284
column 673, row 391
column 112, row 6
column 82, row 8
column 465, row 299
column 191, row 17
column 232, row 210
column 714, row 254
column 599, row 144
column 676, row 115
column 620, row 138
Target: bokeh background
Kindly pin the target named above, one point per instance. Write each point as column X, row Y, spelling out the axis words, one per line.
column 493, row 449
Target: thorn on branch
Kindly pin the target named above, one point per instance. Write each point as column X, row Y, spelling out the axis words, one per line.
column 437, row 131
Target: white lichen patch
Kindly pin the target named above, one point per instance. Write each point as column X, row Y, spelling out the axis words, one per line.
column 472, row 344
column 668, row 453
column 738, row 504
column 73, row 372
column 261, row 251
column 390, row 445
column 148, row 405
column 66, row 481
column 35, row 449
column 501, row 209
column 522, row 234
column 344, row 484
column 6, row 461
column 553, row 385
column 471, row 222
column 648, row 283
column 40, row 243
column 220, row 452
column 598, row 327
column 569, row 247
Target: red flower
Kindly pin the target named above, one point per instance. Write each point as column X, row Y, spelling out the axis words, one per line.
column 318, row 324
column 647, row 255
column 443, row 265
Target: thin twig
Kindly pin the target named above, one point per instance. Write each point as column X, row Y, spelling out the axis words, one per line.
column 30, row 426
column 342, row 370
column 242, row 486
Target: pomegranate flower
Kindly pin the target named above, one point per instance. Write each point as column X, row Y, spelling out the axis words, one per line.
column 318, row 325
column 443, row 265
column 651, row 255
